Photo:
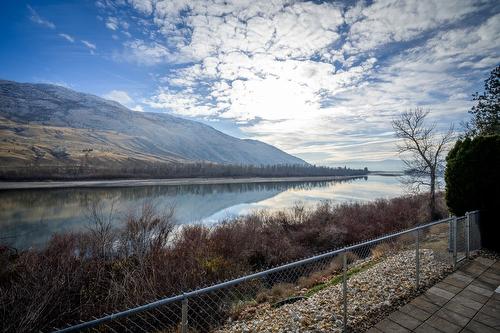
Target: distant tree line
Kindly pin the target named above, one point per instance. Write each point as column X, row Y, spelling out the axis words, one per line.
column 140, row 169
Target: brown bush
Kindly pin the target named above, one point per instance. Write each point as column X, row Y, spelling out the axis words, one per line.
column 312, row 279
column 277, row 293
column 381, row 250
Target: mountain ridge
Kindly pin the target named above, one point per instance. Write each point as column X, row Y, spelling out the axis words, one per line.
column 53, row 125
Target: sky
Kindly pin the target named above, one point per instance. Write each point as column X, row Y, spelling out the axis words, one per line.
column 319, row 79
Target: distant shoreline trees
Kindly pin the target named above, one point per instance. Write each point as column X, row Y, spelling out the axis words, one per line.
column 138, row 169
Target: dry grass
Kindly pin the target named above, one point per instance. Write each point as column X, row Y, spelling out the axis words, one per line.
column 381, row 250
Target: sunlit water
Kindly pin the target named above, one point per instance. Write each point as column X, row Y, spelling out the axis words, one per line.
column 30, row 217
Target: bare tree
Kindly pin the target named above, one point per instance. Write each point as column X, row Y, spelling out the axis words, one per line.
column 148, row 232
column 422, row 149
column 100, row 227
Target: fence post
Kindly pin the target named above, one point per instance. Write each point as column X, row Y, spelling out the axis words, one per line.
column 467, row 235
column 417, row 259
column 454, row 236
column 344, row 287
column 184, row 324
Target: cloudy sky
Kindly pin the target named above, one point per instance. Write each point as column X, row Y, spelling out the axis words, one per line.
column 321, row 80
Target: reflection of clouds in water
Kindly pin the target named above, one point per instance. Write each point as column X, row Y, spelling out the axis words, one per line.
column 65, row 210
column 193, row 202
column 357, row 191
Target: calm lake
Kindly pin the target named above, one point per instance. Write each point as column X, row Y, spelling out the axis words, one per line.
column 29, row 217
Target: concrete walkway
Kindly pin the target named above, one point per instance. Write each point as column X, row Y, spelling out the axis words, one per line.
column 465, row 301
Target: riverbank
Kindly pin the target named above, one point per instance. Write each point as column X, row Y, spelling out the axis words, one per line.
column 9, row 185
column 387, row 173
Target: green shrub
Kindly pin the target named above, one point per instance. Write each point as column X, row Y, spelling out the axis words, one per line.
column 473, row 182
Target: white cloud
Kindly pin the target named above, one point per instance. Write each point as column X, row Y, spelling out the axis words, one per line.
column 315, row 78
column 137, row 108
column 112, row 23
column 144, row 6
column 89, row 44
column 123, row 98
column 462, row 47
column 67, row 37
column 142, row 53
column 281, row 28
column 183, row 103
column 256, row 56
column 119, row 96
column 387, row 21
column 39, row 20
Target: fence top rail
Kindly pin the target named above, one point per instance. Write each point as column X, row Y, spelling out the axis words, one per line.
column 225, row 284
column 309, row 260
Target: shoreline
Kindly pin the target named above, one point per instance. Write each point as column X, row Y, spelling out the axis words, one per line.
column 387, row 173
column 12, row 185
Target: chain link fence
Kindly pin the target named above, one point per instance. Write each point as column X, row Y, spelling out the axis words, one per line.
column 334, row 291
column 461, row 237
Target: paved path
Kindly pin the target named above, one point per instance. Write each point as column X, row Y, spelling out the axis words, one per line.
column 466, row 301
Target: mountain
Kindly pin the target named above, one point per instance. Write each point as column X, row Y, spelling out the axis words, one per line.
column 43, row 124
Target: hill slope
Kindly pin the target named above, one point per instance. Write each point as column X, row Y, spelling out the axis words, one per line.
column 45, row 125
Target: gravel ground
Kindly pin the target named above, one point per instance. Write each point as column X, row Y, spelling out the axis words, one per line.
column 488, row 254
column 372, row 294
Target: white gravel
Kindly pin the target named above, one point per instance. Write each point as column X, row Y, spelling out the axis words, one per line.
column 370, row 293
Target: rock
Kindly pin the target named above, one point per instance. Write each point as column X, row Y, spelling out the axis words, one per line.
column 371, row 293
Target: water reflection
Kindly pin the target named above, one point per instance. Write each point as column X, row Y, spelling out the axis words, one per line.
column 30, row 217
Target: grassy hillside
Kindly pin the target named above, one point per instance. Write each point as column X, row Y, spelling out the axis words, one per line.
column 47, row 126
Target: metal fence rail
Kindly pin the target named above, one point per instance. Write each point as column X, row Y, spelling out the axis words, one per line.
column 406, row 261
